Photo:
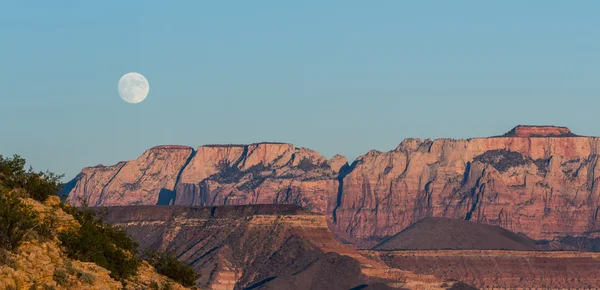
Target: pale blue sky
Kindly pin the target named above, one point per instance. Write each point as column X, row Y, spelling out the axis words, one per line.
column 336, row 76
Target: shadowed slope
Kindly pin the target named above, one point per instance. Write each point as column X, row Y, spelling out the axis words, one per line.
column 449, row 234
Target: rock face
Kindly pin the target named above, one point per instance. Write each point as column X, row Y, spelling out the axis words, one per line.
column 537, row 180
column 540, row 186
column 214, row 175
column 259, row 247
column 141, row 181
column 257, row 174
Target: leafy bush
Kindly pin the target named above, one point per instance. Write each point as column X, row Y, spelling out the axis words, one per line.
column 7, row 259
column 48, row 287
column 106, row 245
column 168, row 265
column 68, row 265
column 87, row 278
column 39, row 185
column 166, row 286
column 61, row 277
column 17, row 220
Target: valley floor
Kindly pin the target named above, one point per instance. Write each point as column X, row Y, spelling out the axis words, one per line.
column 497, row 269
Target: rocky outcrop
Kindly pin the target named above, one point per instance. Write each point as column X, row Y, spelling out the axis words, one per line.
column 539, row 131
column 259, row 247
column 36, row 264
column 537, row 180
column 43, row 264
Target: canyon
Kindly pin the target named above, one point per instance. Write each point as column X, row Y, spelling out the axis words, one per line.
column 540, row 181
column 288, row 247
column 261, row 247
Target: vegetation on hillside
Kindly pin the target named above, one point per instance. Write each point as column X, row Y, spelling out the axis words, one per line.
column 103, row 244
column 17, row 221
column 166, row 263
column 37, row 185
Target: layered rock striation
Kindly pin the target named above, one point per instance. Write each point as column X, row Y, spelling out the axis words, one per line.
column 537, row 180
column 494, row 269
column 260, row 247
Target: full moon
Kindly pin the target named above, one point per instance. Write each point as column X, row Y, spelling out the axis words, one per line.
column 133, row 88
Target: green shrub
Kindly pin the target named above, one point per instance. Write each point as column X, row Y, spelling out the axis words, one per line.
column 68, row 265
column 87, row 278
column 154, row 286
column 96, row 241
column 47, row 229
column 168, row 265
column 6, row 259
column 38, row 185
column 61, row 277
column 17, row 220
column 34, row 286
column 13, row 287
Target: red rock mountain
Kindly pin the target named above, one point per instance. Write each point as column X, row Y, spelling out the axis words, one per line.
column 537, row 180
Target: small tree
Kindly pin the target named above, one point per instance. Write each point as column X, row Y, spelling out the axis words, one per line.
column 17, row 220
column 39, row 185
column 166, row 263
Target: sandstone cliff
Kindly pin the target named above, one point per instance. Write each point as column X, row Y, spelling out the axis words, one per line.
column 140, row 181
column 213, row 175
column 538, row 180
column 540, row 186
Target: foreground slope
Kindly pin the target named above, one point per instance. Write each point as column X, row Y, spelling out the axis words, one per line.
column 434, row 233
column 44, row 264
column 260, row 247
column 536, row 180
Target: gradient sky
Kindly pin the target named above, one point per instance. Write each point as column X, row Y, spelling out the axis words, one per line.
column 335, row 76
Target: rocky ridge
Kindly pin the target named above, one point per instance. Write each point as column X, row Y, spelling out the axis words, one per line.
column 537, row 180
column 260, row 247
